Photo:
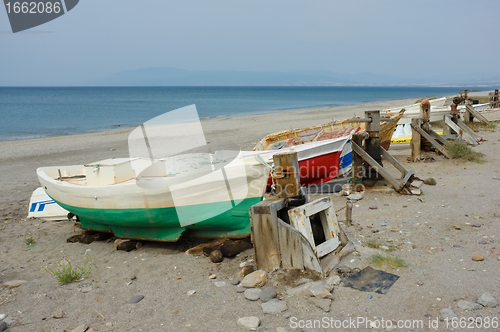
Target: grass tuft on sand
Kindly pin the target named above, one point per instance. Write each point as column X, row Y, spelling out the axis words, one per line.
column 481, row 126
column 377, row 244
column 29, row 240
column 393, row 262
column 464, row 152
column 66, row 273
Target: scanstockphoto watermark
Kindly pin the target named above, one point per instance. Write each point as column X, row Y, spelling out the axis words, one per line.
column 355, row 323
column 25, row 15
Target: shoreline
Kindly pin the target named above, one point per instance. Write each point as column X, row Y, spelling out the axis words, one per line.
column 337, row 103
column 240, row 116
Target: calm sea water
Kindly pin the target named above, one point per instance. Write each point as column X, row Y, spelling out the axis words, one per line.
column 40, row 112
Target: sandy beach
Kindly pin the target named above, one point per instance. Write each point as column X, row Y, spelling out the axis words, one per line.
column 440, row 271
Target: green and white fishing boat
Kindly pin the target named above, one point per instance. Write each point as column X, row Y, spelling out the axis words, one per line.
column 137, row 198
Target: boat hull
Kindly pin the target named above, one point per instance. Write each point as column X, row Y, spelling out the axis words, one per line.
column 214, row 204
column 162, row 224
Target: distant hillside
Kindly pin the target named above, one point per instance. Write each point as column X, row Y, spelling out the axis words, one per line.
column 166, row 76
column 181, row 77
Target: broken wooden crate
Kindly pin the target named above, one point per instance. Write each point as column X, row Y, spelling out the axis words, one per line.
column 279, row 244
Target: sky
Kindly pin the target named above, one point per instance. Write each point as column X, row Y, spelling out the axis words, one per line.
column 435, row 40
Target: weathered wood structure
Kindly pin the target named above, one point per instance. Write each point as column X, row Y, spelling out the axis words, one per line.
column 370, row 157
column 287, row 236
column 424, row 138
column 471, row 114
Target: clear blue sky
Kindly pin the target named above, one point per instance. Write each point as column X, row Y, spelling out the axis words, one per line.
column 443, row 40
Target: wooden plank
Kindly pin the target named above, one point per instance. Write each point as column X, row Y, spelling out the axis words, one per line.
column 471, row 132
column 265, row 235
column 327, row 247
column 331, row 230
column 290, row 246
column 392, row 181
column 435, row 144
column 357, row 162
column 438, row 137
column 299, row 248
column 286, row 166
column 416, row 140
column 311, row 262
column 476, row 114
column 459, row 130
column 393, row 161
column 316, row 206
column 301, row 222
column 407, row 177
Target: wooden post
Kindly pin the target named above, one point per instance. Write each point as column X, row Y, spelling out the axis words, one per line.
column 468, row 117
column 348, row 214
column 286, row 166
column 425, row 114
column 416, row 140
column 469, row 109
column 357, row 162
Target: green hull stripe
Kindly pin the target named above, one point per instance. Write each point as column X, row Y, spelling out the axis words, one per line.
column 162, row 224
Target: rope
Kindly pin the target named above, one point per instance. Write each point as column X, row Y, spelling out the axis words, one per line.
column 337, row 211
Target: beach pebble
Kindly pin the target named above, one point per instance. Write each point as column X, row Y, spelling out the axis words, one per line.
column 251, row 323
column 109, row 324
column 281, row 329
column 319, row 289
column 136, row 299
column 247, row 269
column 355, row 196
column 211, row 276
column 482, row 242
column 85, row 289
column 216, row 256
column 373, row 207
column 430, row 182
column 3, row 326
column 323, row 304
column 273, row 307
column 255, row 279
column 240, row 289
column 190, row 292
column 464, row 305
column 477, row 258
column 2, row 316
column 58, row 315
column 420, row 283
column 14, row 283
column 81, row 328
column 267, row 294
column 252, row 294
column 495, row 250
column 457, row 246
column 476, row 225
column 456, row 227
column 487, row 300
column 235, row 281
column 447, row 313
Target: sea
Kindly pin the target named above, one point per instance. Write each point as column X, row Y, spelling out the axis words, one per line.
column 33, row 112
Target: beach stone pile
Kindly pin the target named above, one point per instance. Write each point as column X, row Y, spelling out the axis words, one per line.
column 253, row 287
column 486, row 300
